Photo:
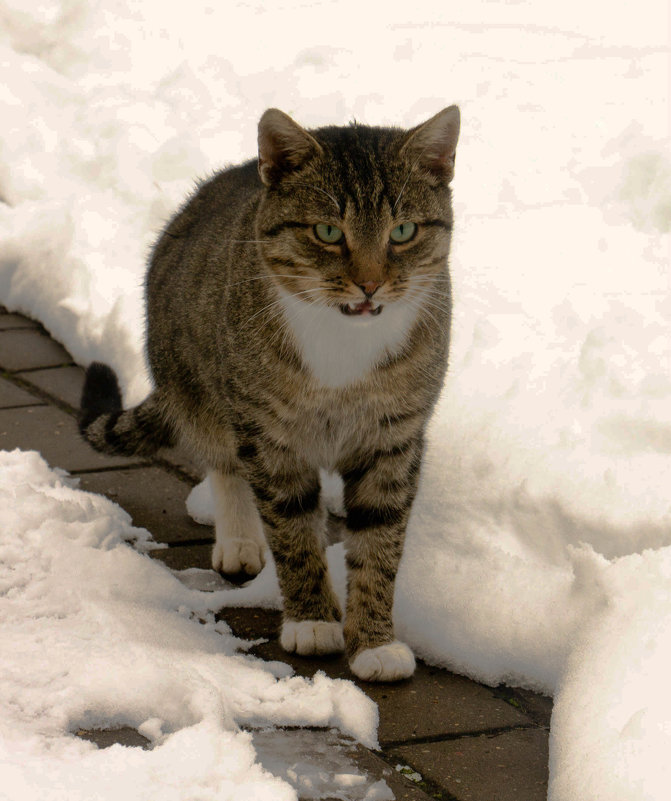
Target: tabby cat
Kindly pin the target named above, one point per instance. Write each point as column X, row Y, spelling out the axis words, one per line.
column 298, row 316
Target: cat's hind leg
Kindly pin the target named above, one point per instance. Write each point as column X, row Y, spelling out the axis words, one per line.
column 240, row 543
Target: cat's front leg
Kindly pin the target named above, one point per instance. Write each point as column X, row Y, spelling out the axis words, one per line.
column 380, row 487
column 288, row 498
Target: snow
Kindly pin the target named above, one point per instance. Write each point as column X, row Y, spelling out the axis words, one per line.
column 95, row 634
column 610, row 743
column 538, row 547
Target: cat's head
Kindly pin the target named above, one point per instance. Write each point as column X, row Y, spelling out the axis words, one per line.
column 356, row 218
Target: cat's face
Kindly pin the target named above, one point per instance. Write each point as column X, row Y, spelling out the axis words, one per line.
column 356, row 219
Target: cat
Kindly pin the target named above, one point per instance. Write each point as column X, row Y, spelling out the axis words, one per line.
column 298, row 317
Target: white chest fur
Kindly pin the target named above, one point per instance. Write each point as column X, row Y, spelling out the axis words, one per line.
column 341, row 349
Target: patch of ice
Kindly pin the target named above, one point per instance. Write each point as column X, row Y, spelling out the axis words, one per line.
column 318, row 764
column 204, row 580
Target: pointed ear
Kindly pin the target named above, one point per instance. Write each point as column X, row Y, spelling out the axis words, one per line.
column 283, row 146
column 432, row 146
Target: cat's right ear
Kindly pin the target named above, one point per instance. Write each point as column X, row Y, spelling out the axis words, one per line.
column 283, row 146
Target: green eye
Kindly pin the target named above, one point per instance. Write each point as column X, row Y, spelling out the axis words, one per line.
column 403, row 233
column 330, row 234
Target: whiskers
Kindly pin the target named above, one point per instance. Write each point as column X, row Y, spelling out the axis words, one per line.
column 424, row 294
column 272, row 276
column 323, row 192
column 427, row 299
column 405, row 183
column 410, row 171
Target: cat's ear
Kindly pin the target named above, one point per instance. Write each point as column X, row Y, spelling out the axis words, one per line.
column 283, row 146
column 432, row 146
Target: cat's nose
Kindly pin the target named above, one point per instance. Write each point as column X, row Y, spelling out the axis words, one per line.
column 369, row 288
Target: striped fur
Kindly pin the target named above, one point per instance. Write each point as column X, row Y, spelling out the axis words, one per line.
column 262, row 367
column 104, row 424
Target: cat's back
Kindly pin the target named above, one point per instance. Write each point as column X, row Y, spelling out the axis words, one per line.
column 194, row 258
column 224, row 194
column 205, row 226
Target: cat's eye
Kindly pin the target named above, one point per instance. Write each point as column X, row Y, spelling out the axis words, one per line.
column 329, row 234
column 403, row 233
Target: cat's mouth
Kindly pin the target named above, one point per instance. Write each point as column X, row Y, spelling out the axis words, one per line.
column 365, row 307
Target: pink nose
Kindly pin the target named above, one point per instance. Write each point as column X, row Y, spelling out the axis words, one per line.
column 370, row 288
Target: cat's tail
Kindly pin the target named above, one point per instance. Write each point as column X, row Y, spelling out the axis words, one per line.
column 104, row 424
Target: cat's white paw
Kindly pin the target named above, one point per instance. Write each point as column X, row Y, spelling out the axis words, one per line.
column 307, row 637
column 238, row 556
column 389, row 662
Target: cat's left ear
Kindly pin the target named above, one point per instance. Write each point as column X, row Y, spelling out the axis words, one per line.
column 283, row 146
column 432, row 146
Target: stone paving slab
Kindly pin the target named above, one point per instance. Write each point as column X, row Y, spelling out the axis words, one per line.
column 25, row 349
column 63, row 383
column 8, row 320
column 403, row 788
column 11, row 395
column 154, row 499
column 54, row 434
column 535, row 706
column 184, row 557
column 181, row 458
column 106, row 738
column 511, row 766
column 433, row 703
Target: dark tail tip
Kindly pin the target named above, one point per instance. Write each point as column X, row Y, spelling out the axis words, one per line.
column 100, row 395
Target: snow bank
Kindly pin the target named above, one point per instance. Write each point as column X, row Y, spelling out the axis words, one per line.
column 96, row 635
column 551, row 443
column 611, row 728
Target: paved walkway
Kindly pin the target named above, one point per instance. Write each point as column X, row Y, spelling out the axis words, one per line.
column 442, row 736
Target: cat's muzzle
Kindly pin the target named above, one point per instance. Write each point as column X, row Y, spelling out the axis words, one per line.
column 365, row 307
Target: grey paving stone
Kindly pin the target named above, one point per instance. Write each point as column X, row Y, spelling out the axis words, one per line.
column 63, row 383
column 24, row 349
column 54, row 434
column 8, row 320
column 11, row 395
column 536, row 706
column 154, row 499
column 183, row 557
column 105, row 738
column 181, row 458
column 433, row 702
column 437, row 702
column 403, row 788
column 507, row 767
